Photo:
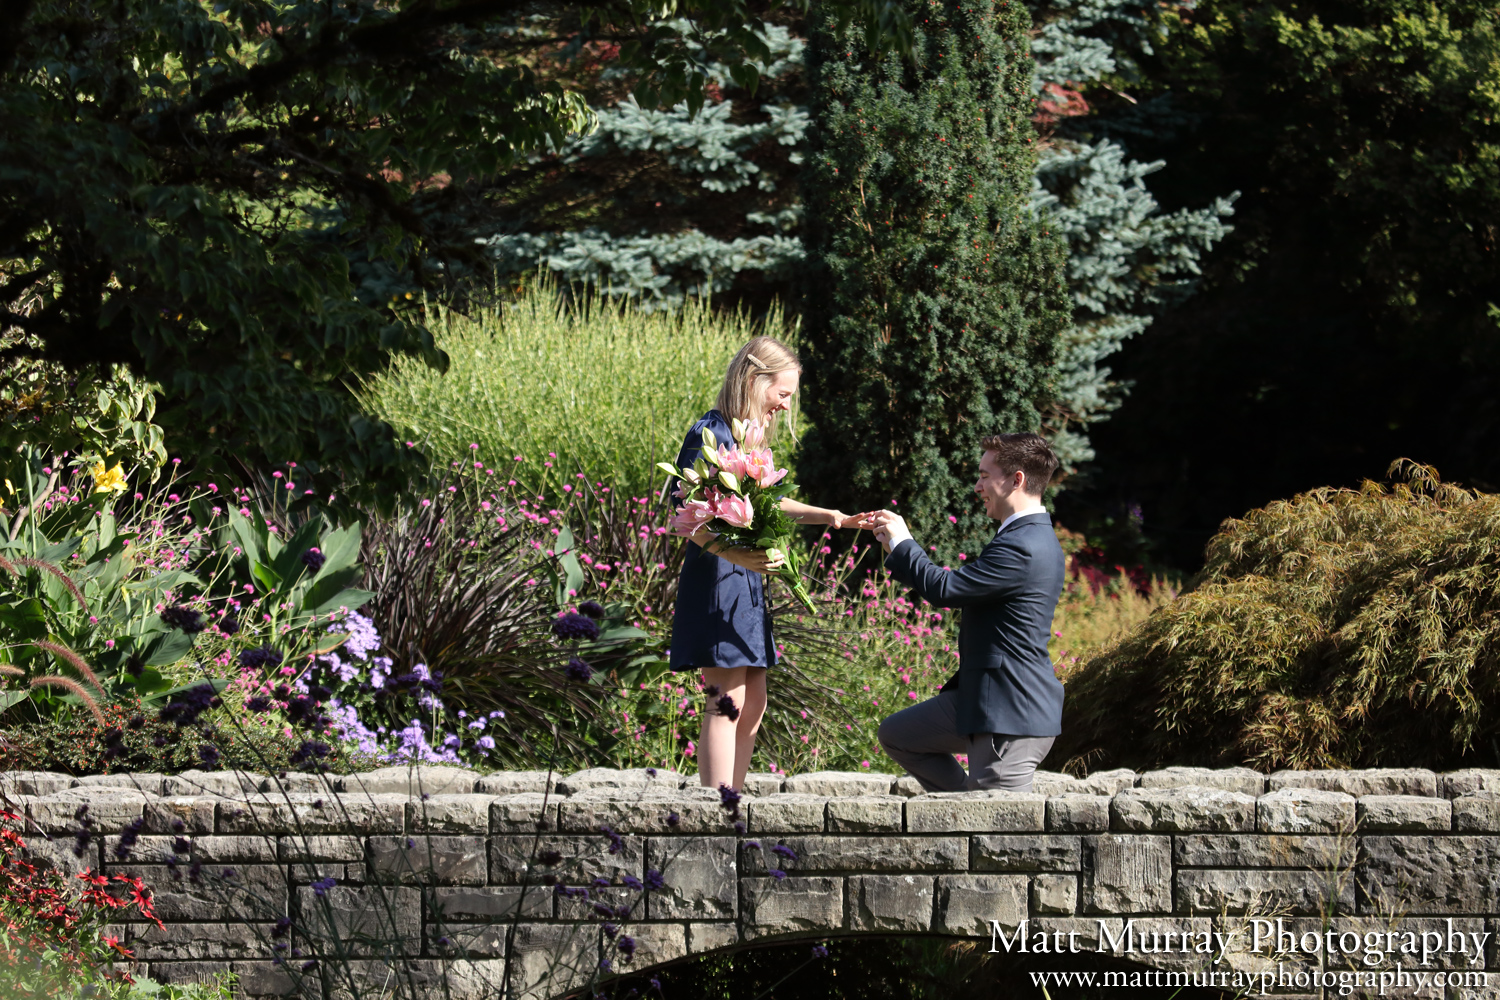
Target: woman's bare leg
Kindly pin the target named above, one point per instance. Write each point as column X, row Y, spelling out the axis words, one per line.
column 752, row 710
column 718, row 739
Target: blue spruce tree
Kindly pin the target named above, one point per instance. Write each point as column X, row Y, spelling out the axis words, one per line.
column 662, row 204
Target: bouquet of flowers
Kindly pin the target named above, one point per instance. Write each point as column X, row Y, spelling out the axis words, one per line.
column 734, row 493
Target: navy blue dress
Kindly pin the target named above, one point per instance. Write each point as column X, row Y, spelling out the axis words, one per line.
column 721, row 618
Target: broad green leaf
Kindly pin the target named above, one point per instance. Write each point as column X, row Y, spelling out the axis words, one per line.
column 351, row 599
column 166, row 648
column 340, row 549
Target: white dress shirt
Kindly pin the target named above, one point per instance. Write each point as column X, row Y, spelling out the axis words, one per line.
column 1037, row 509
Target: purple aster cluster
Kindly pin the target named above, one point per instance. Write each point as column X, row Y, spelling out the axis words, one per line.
column 313, row 559
column 321, row 886
column 183, row 618
column 727, row 707
column 184, row 707
column 578, row 670
column 593, row 609
column 654, row 879
column 260, row 657
column 128, row 838
column 229, row 624
column 819, row 951
column 785, row 852
column 616, row 842
column 572, row 627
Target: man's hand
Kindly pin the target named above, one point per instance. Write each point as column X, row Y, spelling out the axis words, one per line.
column 889, row 527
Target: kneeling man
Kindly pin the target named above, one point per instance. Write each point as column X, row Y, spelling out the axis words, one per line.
column 1004, row 706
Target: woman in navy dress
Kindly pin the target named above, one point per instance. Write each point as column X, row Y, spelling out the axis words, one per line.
column 721, row 626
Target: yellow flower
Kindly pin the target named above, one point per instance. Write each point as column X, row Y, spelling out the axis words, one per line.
column 108, row 481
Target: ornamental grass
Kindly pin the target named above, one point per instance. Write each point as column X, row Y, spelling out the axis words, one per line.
column 1341, row 628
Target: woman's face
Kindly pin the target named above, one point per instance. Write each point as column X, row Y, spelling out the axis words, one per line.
column 780, row 392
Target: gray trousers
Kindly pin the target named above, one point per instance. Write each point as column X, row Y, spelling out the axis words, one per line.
column 924, row 738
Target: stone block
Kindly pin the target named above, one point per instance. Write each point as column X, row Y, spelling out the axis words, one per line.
column 57, row 853
column 516, row 782
column 1053, row 783
column 1126, row 873
column 976, row 812
column 907, row 786
column 790, row 905
column 449, row 813
column 865, row 814
column 1468, row 781
column 788, row 813
column 14, row 783
column 1229, row 779
column 1077, row 812
column 304, row 813
column 1002, row 853
column 186, row 814
column 344, row 848
column 198, row 942
column 472, row 941
column 860, row 854
column 644, row 810
column 584, row 858
column 1304, row 810
column 263, row 979
column 1054, row 894
column 224, row 784
column 428, row 859
column 700, row 876
column 254, row 893
column 967, row 903
column 1263, row 850
column 1372, row 781
column 705, row 937
column 363, row 979
column 608, row 777
column 762, row 783
column 1421, row 874
column 492, row 902
column 360, row 917
column 1477, row 813
column 1107, row 782
column 464, row 979
column 1251, row 892
column 111, row 809
column 654, row 945
column 835, row 783
column 550, row 959
column 408, row 780
column 524, row 812
column 1382, row 813
column 186, row 973
column 1182, row 809
column 628, row 904
column 299, row 781
column 142, row 782
column 899, row 904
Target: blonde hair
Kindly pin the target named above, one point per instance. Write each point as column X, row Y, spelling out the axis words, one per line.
column 750, row 375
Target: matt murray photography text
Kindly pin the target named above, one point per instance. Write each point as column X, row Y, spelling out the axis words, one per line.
column 1370, row 947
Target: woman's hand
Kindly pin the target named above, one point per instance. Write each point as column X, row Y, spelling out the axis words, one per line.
column 755, row 560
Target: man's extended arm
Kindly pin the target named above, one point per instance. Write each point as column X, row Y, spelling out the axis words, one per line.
column 1000, row 571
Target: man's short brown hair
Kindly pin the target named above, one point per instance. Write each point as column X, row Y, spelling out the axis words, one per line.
column 1030, row 453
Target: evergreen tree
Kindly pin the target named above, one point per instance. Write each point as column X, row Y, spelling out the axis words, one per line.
column 935, row 295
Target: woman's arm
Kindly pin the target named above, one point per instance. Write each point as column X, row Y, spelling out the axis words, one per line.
column 754, row 560
column 804, row 514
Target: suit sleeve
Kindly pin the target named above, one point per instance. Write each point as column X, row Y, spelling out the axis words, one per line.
column 1000, row 571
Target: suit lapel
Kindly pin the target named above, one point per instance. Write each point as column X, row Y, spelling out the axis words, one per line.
column 1042, row 518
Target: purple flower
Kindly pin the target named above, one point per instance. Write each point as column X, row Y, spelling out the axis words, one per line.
column 321, row 886
column 604, row 911
column 310, row 965
column 819, row 951
column 610, row 930
column 573, row 626
column 128, row 838
column 673, row 819
column 283, row 925
column 229, row 624
column 739, row 827
column 313, row 560
column 593, row 609
column 259, row 703
column 616, row 842
column 604, row 965
column 777, row 874
column 601, row 883
column 651, row 771
column 185, row 706
column 752, row 845
column 209, row 754
column 728, row 797
column 785, row 852
column 727, row 707
column 184, row 619
column 550, row 858
column 181, row 846
column 260, row 656
column 631, row 882
column 654, row 879
column 626, row 946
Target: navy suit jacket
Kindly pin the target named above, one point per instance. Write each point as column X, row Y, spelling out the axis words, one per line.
column 1008, row 596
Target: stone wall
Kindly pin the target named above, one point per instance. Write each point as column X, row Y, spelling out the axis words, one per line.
column 437, row 872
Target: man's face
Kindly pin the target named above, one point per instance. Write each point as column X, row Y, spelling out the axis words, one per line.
column 993, row 486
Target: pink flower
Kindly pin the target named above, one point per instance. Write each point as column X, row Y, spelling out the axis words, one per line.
column 732, row 461
column 693, row 515
column 736, row 510
column 755, row 435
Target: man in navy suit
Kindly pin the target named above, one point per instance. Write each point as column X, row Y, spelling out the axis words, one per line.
column 1004, row 706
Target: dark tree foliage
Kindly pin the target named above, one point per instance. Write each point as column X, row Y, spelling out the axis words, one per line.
column 1351, row 317
column 183, row 186
column 934, row 297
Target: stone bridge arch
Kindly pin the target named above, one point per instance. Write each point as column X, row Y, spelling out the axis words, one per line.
column 1170, row 869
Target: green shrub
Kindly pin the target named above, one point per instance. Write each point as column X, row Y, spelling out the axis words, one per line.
column 582, row 383
column 1341, row 628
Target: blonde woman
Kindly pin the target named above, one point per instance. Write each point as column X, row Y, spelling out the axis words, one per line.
column 721, row 627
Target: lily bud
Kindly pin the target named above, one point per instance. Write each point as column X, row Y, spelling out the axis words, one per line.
column 710, row 443
column 730, row 480
column 668, row 468
column 691, row 477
